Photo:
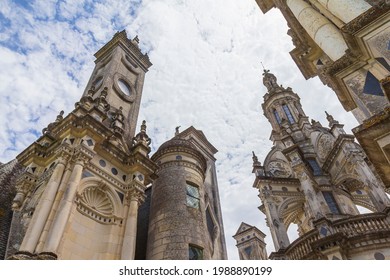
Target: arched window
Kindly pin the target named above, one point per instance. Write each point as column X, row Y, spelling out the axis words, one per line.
column 288, row 114
column 277, row 116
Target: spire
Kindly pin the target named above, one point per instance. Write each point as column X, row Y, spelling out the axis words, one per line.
column 330, row 119
column 142, row 141
column 270, row 81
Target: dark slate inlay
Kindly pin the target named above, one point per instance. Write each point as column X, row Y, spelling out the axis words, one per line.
column 372, row 85
column 324, row 231
column 33, row 169
column 284, row 189
column 319, row 62
column 124, row 177
column 379, row 256
column 121, row 196
column 90, row 142
column 102, row 163
column 179, row 158
column 114, row 171
column 72, row 140
column 383, row 61
column 359, row 192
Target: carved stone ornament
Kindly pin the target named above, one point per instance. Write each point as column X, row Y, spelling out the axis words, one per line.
column 279, row 169
column 324, row 146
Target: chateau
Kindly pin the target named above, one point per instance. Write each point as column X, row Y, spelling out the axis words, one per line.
column 87, row 188
column 315, row 176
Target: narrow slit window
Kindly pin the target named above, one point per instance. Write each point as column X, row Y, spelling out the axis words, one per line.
column 277, row 117
column 288, row 114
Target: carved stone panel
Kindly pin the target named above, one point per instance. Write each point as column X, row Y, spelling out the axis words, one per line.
column 324, row 146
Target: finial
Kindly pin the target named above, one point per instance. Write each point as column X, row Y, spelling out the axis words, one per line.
column 136, row 39
column 143, row 126
column 330, row 119
column 104, row 92
column 177, row 130
column 60, row 117
column 262, row 65
column 254, row 157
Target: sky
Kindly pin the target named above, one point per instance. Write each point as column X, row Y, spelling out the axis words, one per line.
column 206, row 72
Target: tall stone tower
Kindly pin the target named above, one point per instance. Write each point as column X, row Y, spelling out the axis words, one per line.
column 85, row 177
column 346, row 44
column 185, row 213
column 81, row 187
column 250, row 243
column 315, row 177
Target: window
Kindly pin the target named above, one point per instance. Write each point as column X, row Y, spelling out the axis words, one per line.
column 277, row 116
column 329, row 198
column 195, row 253
column 210, row 223
column 248, row 251
column 315, row 167
column 288, row 114
column 192, row 196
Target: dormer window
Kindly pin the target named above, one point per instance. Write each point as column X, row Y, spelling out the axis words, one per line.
column 287, row 111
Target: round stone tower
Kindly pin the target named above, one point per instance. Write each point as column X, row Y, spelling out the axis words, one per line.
column 177, row 228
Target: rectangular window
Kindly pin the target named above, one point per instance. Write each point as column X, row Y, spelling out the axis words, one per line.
column 192, row 196
column 195, row 253
column 277, row 117
column 329, row 198
column 288, row 114
column 315, row 167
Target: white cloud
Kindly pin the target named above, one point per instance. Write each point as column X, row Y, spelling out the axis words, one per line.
column 206, row 72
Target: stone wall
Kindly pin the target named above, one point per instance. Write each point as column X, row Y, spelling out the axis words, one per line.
column 8, row 175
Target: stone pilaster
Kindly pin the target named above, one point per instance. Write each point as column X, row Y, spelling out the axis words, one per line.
column 44, row 207
column 133, row 199
column 62, row 215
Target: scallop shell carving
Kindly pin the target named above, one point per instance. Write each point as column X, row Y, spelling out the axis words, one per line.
column 98, row 200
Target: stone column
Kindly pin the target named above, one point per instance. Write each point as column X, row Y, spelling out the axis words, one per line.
column 43, row 209
column 277, row 227
column 310, row 193
column 346, row 10
column 319, row 28
column 57, row 200
column 56, row 231
column 133, row 200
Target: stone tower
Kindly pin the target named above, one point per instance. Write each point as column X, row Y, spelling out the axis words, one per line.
column 87, row 188
column 250, row 243
column 185, row 214
column 346, row 44
column 85, row 177
column 315, row 177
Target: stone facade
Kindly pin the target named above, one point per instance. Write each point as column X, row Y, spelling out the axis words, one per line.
column 315, row 177
column 346, row 44
column 85, row 180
